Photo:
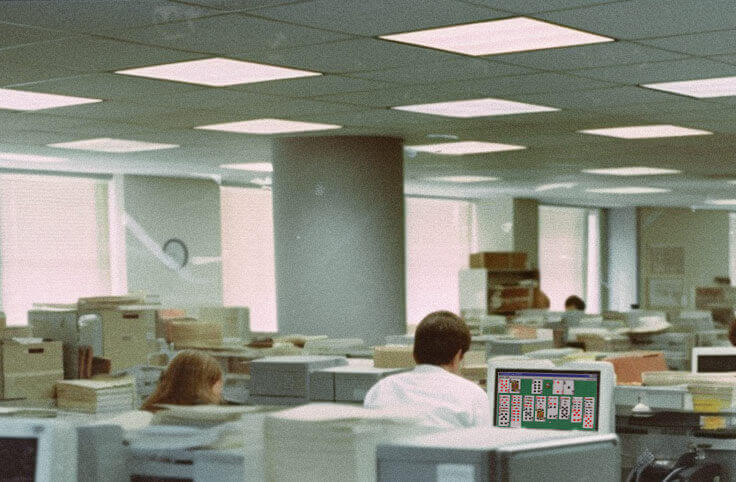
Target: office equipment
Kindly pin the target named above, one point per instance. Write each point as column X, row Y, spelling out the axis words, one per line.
column 285, row 380
column 188, row 332
column 334, row 346
column 508, row 345
column 96, row 395
column 43, row 450
column 492, row 454
column 536, row 394
column 714, row 359
column 100, row 454
column 629, row 366
column 346, row 383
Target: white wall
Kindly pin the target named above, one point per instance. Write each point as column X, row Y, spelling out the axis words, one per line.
column 622, row 258
column 493, row 224
column 157, row 209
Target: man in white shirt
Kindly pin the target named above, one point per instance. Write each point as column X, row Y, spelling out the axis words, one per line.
column 433, row 388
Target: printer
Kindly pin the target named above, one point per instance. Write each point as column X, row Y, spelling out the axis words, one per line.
column 348, row 383
column 286, row 380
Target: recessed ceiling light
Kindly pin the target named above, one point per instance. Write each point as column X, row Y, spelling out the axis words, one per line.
column 463, row 179
column 627, row 190
column 24, row 100
column 466, row 147
column 268, row 126
column 632, row 171
column 722, row 202
column 217, row 72
column 647, row 132
column 559, row 185
column 11, row 156
column 498, row 37
column 701, row 89
column 250, row 166
column 475, row 108
column 104, row 144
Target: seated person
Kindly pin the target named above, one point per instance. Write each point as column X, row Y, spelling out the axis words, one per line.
column 574, row 303
column 434, row 388
column 192, row 378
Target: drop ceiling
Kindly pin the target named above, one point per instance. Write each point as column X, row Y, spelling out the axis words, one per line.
column 74, row 47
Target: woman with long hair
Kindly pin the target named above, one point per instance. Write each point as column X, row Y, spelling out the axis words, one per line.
column 192, row 378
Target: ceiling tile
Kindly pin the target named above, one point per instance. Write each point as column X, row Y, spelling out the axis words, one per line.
column 11, row 35
column 405, row 95
column 313, row 86
column 529, row 84
column 687, row 69
column 446, row 71
column 111, row 110
column 13, row 73
column 637, row 19
column 96, row 16
column 532, row 6
column 90, row 54
column 350, row 56
column 702, row 44
column 380, row 16
column 594, row 99
column 241, row 4
column 595, row 55
column 229, row 35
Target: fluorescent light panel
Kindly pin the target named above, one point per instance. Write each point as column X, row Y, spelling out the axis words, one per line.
column 632, row 171
column 463, row 179
column 12, row 99
column 627, row 190
column 217, row 72
column 465, row 147
column 701, row 89
column 250, row 166
column 11, row 156
column 104, row 144
column 647, row 132
column 476, row 108
column 498, row 37
column 559, row 185
column 268, row 126
column 722, row 202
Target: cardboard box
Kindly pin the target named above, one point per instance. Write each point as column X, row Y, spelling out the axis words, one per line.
column 30, row 368
column 162, row 316
column 630, row 365
column 189, row 332
column 124, row 339
column 393, row 356
column 235, row 320
column 510, row 298
column 499, row 260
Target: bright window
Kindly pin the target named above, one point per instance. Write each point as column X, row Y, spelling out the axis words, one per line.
column 248, row 264
column 54, row 241
column 438, row 243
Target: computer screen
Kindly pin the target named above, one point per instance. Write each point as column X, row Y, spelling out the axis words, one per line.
column 714, row 359
column 547, row 399
column 19, row 457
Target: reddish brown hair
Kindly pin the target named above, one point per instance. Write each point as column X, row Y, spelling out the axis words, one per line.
column 439, row 336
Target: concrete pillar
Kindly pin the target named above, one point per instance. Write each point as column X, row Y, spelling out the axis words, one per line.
column 526, row 229
column 338, row 209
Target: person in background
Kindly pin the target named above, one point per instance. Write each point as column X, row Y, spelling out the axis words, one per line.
column 192, row 378
column 433, row 388
column 574, row 303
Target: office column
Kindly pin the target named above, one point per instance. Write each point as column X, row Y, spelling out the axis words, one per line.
column 339, row 236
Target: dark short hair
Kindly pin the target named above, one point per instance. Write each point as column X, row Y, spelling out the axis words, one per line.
column 576, row 302
column 439, row 336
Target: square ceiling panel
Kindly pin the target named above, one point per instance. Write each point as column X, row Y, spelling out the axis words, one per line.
column 406, row 95
column 530, row 84
column 314, row 86
column 11, row 35
column 229, row 35
column 532, row 6
column 350, row 56
column 240, row 4
column 380, row 16
column 90, row 54
column 447, row 71
column 688, row 69
column 98, row 16
column 588, row 56
column 702, row 44
column 594, row 99
column 111, row 110
column 14, row 73
column 638, row 19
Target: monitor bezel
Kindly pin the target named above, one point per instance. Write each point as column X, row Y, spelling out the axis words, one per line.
column 709, row 351
column 56, row 456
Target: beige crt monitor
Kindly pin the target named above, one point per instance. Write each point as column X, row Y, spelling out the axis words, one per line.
column 536, row 394
column 714, row 359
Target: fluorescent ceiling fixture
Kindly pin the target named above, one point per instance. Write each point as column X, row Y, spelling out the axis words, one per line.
column 559, row 185
column 466, row 147
column 722, row 202
column 498, row 37
column 217, row 72
column 250, row 166
column 647, row 132
column 632, row 171
column 10, row 156
column 268, row 126
column 463, row 179
column 627, row 190
column 23, row 100
column 262, row 181
column 701, row 89
column 476, row 108
column 104, row 144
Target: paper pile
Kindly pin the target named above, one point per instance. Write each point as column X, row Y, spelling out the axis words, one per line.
column 101, row 395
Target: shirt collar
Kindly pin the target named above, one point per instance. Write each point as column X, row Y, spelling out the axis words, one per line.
column 426, row 368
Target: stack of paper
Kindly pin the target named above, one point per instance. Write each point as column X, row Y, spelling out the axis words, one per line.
column 332, row 442
column 96, row 395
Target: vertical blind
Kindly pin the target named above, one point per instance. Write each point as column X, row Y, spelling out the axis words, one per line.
column 54, row 241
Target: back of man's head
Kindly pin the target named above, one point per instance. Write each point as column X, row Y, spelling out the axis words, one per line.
column 439, row 337
column 574, row 303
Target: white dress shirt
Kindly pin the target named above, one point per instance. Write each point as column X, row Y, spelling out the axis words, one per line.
column 444, row 399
